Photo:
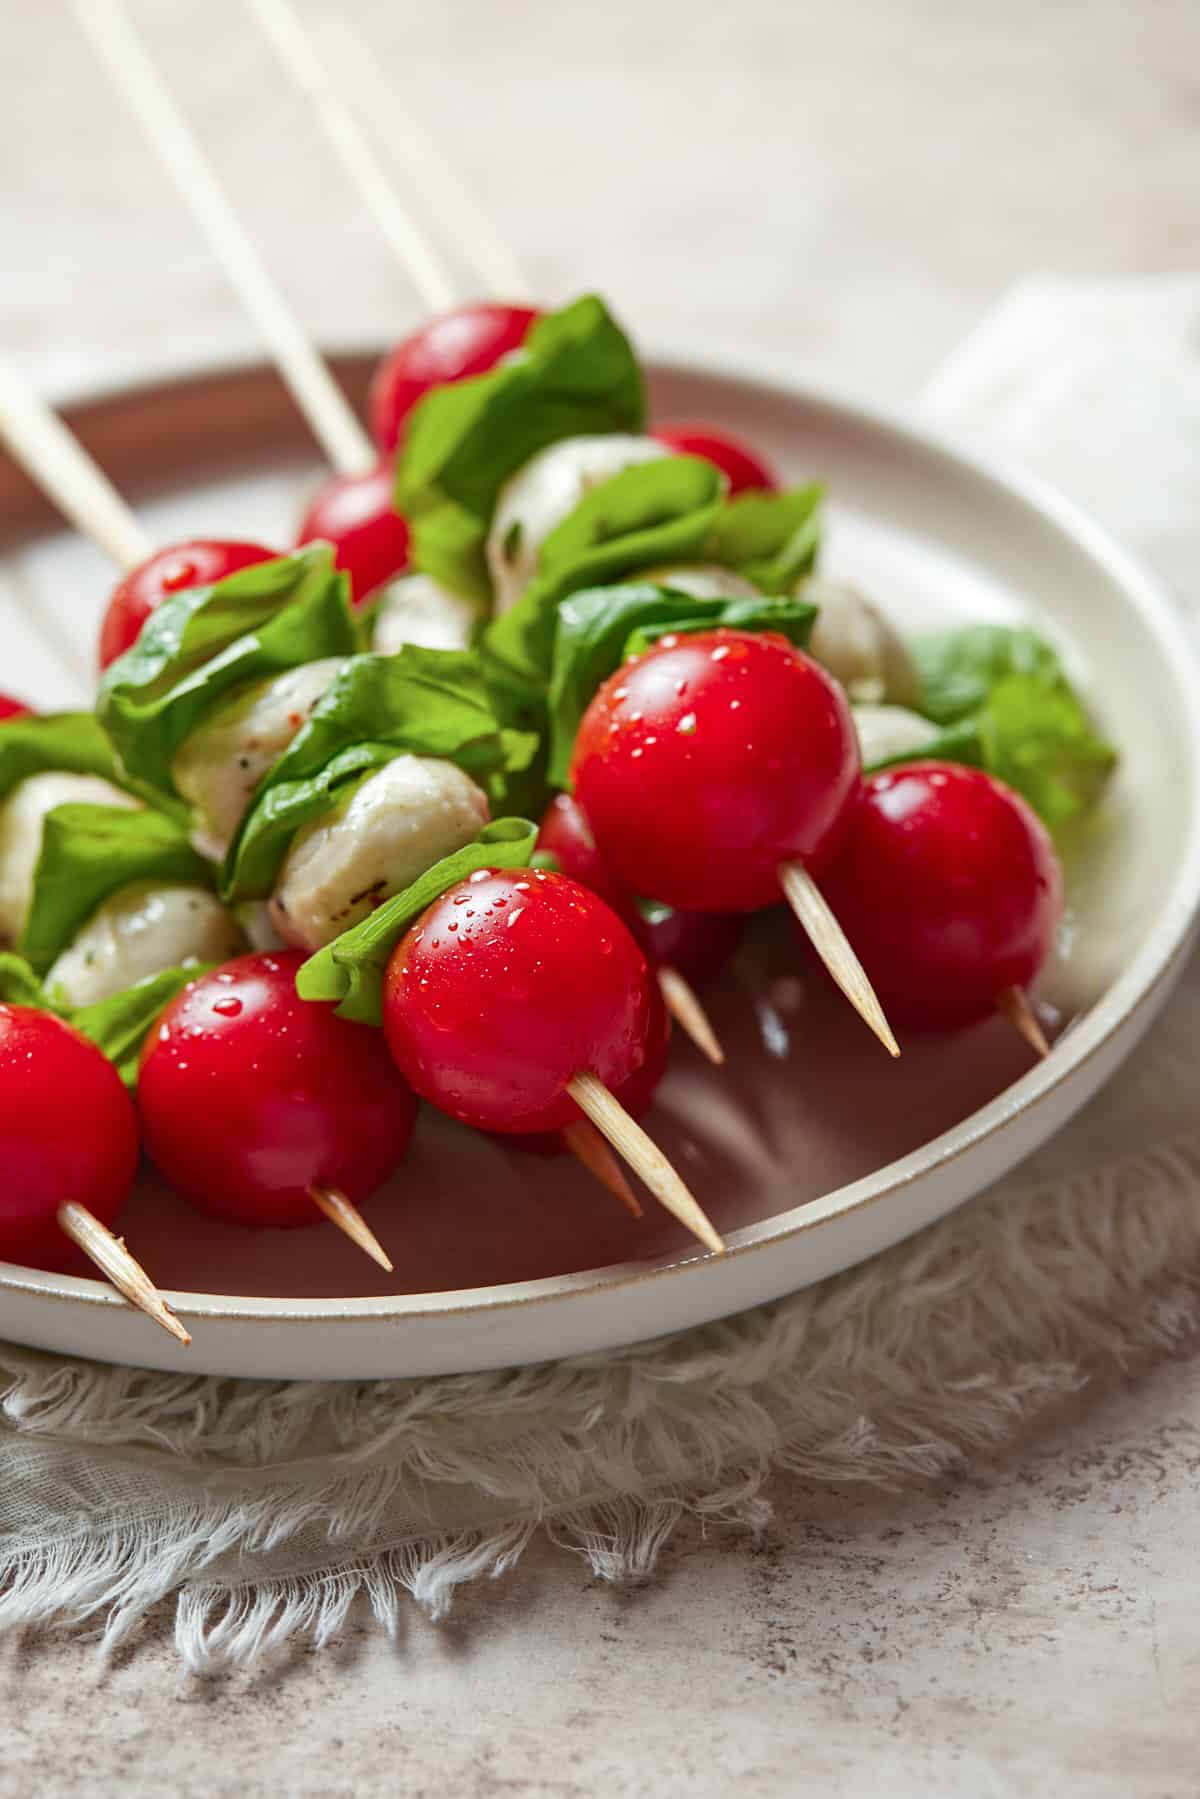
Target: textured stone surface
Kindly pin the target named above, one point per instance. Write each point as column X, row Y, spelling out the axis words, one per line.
column 847, row 188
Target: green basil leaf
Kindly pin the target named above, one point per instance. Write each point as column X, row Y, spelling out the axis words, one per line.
column 87, row 853
column 419, row 702
column 1010, row 687
column 771, row 539
column 69, row 741
column 1038, row 738
column 19, row 986
column 203, row 642
column 957, row 669
column 576, row 375
column 601, row 627
column 120, row 1024
column 349, row 971
column 655, row 512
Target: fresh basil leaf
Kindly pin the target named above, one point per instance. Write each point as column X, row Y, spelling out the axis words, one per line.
column 418, row 702
column 69, row 741
column 201, row 643
column 349, row 971
column 655, row 512
column 1010, row 687
column 1038, row 738
column 957, row 669
column 87, row 853
column 771, row 539
column 120, row 1024
column 601, row 627
column 19, row 986
column 576, row 375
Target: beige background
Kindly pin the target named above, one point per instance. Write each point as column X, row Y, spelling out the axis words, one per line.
column 849, row 186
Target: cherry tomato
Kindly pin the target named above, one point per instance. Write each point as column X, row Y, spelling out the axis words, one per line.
column 698, row 944
column 250, row 1095
column 197, row 563
column 67, row 1131
column 712, row 759
column 743, row 468
column 469, row 341
column 356, row 514
column 10, row 708
column 950, row 891
column 505, row 988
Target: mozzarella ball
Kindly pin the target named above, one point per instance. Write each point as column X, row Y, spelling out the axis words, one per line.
column 392, row 827
column 21, row 818
column 415, row 609
column 138, row 931
column 219, row 767
column 857, row 644
column 886, row 732
column 540, row 495
column 702, row 580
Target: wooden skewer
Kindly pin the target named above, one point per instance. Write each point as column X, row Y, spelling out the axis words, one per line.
column 325, row 407
column 67, row 475
column 115, row 1262
column 426, row 170
column 1015, row 1006
column 400, row 230
column 831, row 944
column 685, row 1008
column 340, row 1211
column 584, row 1141
column 643, row 1154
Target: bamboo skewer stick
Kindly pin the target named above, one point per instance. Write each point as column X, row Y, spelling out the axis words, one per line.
column 325, row 407
column 589, row 1147
column 400, row 230
column 67, row 475
column 111, row 1257
column 1014, row 1004
column 426, row 170
column 350, row 1221
column 643, row 1155
column 830, row 942
column 682, row 1003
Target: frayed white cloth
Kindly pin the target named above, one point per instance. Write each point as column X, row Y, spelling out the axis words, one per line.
column 267, row 1509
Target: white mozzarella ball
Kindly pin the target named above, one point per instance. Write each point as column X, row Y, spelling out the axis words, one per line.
column 702, row 580
column 415, row 609
column 540, row 495
column 21, row 818
column 885, row 732
column 138, row 931
column 219, row 767
column 856, row 643
column 393, row 826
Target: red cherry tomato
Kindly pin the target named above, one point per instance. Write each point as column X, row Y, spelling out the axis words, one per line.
column 506, row 987
column 736, row 460
column 197, row 563
column 698, row 944
column 356, row 514
column 469, row 341
column 10, row 708
column 67, row 1131
column 709, row 761
column 250, row 1095
column 950, row 891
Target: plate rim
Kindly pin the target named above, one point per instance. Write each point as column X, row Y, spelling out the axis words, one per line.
column 1134, row 992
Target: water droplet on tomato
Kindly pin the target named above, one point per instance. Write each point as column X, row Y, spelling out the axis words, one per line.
column 687, row 724
column 228, row 1008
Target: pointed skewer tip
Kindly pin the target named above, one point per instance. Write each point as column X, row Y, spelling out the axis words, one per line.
column 109, row 1254
column 588, row 1146
column 1013, row 1004
column 350, row 1221
column 643, row 1154
column 681, row 1002
column 832, row 945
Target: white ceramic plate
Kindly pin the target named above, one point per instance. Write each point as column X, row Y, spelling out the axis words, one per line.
column 814, row 1151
